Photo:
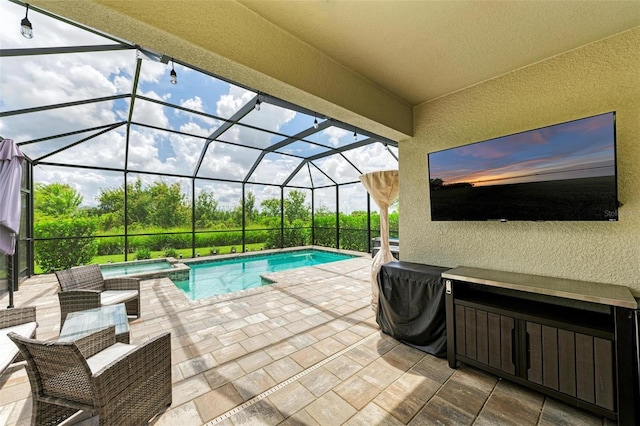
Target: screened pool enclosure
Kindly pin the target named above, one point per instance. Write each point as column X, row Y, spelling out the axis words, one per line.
column 123, row 164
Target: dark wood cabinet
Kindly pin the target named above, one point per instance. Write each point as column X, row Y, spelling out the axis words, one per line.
column 534, row 331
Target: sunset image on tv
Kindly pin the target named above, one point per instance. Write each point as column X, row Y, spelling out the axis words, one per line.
column 565, row 171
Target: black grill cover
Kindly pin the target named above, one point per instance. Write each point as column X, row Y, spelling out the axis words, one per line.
column 411, row 305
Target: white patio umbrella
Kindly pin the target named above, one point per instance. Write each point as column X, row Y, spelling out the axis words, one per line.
column 383, row 188
column 10, row 175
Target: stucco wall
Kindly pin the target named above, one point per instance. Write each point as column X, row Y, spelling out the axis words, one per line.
column 603, row 76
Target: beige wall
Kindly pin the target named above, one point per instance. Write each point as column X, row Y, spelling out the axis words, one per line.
column 603, row 76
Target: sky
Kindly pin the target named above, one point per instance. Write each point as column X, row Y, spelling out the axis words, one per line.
column 576, row 149
column 40, row 80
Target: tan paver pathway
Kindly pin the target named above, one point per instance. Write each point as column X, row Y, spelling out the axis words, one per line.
column 303, row 351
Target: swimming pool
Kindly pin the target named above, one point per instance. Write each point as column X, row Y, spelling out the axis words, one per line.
column 215, row 277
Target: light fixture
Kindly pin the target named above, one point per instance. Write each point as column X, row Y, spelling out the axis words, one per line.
column 355, row 136
column 25, row 26
column 258, row 102
column 173, row 75
column 315, row 122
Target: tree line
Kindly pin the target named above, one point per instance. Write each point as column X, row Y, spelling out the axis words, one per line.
column 163, row 212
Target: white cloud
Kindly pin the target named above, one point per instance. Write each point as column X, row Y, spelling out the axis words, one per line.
column 335, row 134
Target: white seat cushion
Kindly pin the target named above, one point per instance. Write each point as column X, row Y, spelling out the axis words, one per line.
column 111, row 297
column 107, row 356
column 8, row 349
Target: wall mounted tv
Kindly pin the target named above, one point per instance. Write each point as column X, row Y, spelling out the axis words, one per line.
column 563, row 172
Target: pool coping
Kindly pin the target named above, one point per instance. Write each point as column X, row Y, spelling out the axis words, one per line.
column 176, row 267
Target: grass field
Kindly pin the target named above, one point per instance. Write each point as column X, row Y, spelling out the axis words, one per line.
column 571, row 199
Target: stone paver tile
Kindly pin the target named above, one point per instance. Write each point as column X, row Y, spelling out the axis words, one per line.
column 370, row 415
column 438, row 412
column 282, row 369
column 223, row 374
column 217, row 402
column 254, row 360
column 188, row 389
column 256, row 342
column 460, row 393
column 298, row 327
column 555, row 413
column 196, row 365
column 434, row 368
column 256, row 318
column 253, row 384
column 322, row 332
column 301, row 418
column 343, row 367
column 417, row 385
column 400, row 403
column 319, row 381
column 308, row 356
column 479, row 379
column 356, row 391
column 179, row 355
column 293, row 317
column 256, row 329
column 184, row 415
column 291, row 398
column 363, row 355
column 205, row 346
column 403, row 357
column 229, row 353
column 330, row 409
column 301, row 341
column 347, row 337
column 381, row 344
column 280, row 350
column 511, row 405
column 329, row 346
column 235, row 324
column 232, row 337
column 260, row 413
column 379, row 374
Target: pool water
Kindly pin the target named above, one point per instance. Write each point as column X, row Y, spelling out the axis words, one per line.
column 132, row 268
column 217, row 277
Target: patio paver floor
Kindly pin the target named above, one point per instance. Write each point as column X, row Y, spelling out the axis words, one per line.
column 303, row 351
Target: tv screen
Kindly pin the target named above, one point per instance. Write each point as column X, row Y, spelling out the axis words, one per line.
column 563, row 172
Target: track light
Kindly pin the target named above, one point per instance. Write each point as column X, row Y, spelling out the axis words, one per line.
column 355, row 136
column 173, row 75
column 315, row 123
column 258, row 102
column 25, row 26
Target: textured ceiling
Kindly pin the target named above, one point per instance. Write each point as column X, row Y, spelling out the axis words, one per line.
column 421, row 50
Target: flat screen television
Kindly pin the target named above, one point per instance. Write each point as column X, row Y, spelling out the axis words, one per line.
column 563, row 172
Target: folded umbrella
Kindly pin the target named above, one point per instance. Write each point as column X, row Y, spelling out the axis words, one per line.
column 10, row 176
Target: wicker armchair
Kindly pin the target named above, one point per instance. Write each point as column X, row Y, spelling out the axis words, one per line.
column 84, row 287
column 17, row 320
column 122, row 384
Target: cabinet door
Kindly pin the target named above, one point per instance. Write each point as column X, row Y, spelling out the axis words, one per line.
column 575, row 364
column 485, row 337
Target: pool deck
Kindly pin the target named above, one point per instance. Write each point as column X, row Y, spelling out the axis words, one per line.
column 305, row 350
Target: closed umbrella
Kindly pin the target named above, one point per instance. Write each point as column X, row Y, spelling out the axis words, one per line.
column 383, row 188
column 10, row 175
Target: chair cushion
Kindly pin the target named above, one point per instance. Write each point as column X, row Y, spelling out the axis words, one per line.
column 111, row 297
column 107, row 356
column 8, row 349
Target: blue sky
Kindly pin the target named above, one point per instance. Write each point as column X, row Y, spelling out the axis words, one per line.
column 576, row 149
column 40, row 80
